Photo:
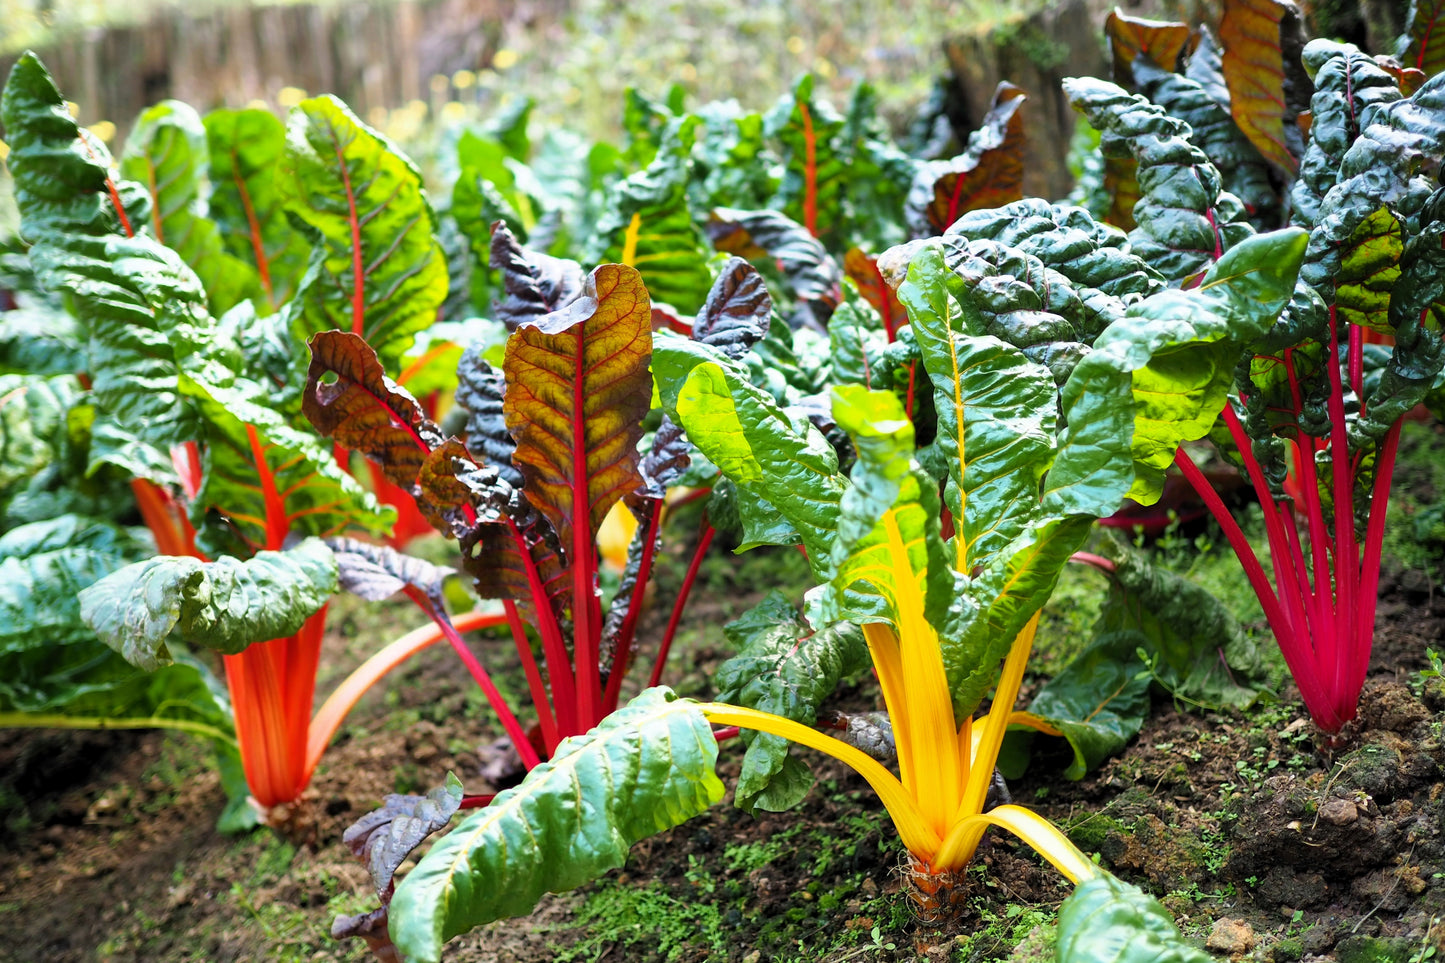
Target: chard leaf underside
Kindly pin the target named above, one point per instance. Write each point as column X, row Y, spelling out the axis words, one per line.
column 646, row 768
column 224, row 605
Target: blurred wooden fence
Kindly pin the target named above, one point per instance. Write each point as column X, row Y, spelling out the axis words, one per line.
column 372, row 55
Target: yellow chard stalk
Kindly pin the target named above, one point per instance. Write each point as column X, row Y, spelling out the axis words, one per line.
column 890, row 565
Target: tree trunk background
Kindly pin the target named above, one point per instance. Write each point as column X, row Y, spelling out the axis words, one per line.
column 1037, row 52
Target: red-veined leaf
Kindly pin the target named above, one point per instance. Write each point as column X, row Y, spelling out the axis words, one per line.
column 364, row 410
column 862, row 270
column 1164, row 42
column 578, row 389
column 377, row 269
column 989, row 173
column 1369, row 269
column 1251, row 33
column 1425, row 46
column 245, row 149
column 812, row 189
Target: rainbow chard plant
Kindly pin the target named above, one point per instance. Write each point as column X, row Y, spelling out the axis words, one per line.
column 552, row 446
column 200, row 411
column 1315, row 409
column 1025, row 470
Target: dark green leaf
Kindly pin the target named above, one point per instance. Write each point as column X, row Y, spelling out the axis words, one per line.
column 1099, row 700
column 783, row 667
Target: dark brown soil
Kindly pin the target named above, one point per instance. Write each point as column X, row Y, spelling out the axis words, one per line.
column 1301, row 849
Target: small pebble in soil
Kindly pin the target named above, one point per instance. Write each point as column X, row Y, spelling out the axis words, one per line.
column 1338, row 812
column 1235, row 937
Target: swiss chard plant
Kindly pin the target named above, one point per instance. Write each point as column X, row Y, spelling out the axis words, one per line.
column 551, row 448
column 201, row 412
column 1024, row 470
column 1316, row 404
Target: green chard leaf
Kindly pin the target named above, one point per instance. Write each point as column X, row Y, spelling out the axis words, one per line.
column 811, row 193
column 144, row 309
column 889, row 494
column 264, row 481
column 167, row 153
column 650, row 227
column 646, row 768
column 731, row 161
column 1109, row 921
column 996, row 413
column 1185, row 218
column 1161, row 376
column 1244, row 170
column 377, row 268
column 1098, row 702
column 771, row 455
column 246, row 149
column 784, row 667
column 879, row 174
column 223, row 605
column 1196, row 648
column 1346, row 83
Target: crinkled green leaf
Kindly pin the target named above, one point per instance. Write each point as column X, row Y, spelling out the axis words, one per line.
column 144, row 309
column 783, row 667
column 1109, row 921
column 1346, row 83
column 1244, row 170
column 1098, row 701
column 224, row 605
column 1196, row 648
column 644, row 769
column 1185, row 218
column 1095, row 257
column 376, row 267
column 649, row 226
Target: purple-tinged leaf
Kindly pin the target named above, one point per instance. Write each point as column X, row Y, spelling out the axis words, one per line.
column 737, row 311
column 536, row 284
